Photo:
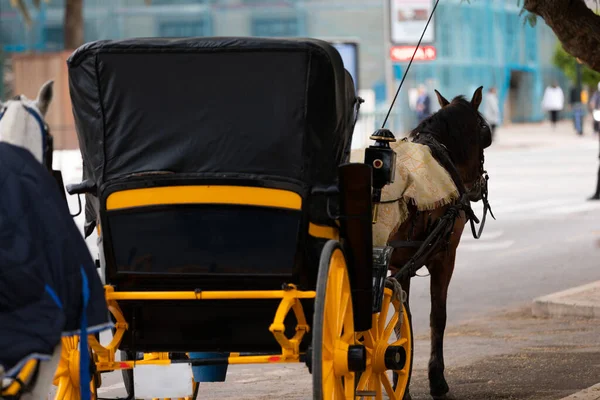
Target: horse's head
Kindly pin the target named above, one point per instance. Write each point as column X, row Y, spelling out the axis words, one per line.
column 464, row 132
column 22, row 123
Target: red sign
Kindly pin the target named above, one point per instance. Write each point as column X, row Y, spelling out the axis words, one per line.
column 404, row 53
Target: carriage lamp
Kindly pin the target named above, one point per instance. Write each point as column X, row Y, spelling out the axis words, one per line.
column 382, row 159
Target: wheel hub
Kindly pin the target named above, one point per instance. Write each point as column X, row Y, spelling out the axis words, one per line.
column 357, row 358
column 395, row 358
column 388, row 357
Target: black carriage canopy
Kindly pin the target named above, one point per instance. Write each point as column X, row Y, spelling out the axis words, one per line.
column 281, row 109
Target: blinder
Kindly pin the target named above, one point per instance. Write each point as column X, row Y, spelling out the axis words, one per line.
column 47, row 139
column 486, row 134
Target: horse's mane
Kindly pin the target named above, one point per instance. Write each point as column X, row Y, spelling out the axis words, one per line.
column 455, row 126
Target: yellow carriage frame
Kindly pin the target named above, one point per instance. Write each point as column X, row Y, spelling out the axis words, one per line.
column 334, row 372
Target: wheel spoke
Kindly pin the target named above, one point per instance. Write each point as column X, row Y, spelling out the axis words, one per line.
column 329, row 381
column 374, row 331
column 62, row 370
column 348, row 328
column 390, row 327
column 62, row 388
column 339, row 388
column 331, row 308
column 342, row 316
column 349, row 381
column 400, row 342
column 328, row 347
column 378, row 391
column 369, row 340
column 387, row 385
column 327, row 370
column 385, row 305
column 364, row 379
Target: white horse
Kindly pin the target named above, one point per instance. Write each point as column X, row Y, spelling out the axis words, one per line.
column 22, row 123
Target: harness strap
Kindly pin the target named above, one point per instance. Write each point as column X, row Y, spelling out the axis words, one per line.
column 442, row 155
column 398, row 244
column 486, row 208
column 444, row 226
column 84, row 355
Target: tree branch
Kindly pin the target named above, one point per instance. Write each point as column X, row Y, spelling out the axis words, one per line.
column 575, row 25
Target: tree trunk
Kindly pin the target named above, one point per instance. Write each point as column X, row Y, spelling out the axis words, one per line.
column 575, row 25
column 73, row 25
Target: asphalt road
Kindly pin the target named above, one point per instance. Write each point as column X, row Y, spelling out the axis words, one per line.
column 545, row 239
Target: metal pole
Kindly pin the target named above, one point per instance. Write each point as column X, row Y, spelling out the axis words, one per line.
column 387, row 45
column 578, row 106
column 578, row 70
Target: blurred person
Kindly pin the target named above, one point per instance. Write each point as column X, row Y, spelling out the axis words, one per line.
column 594, row 107
column 413, row 95
column 553, row 102
column 423, row 104
column 575, row 100
column 491, row 110
column 585, row 94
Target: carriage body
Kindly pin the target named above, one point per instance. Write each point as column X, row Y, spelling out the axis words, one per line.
column 217, row 169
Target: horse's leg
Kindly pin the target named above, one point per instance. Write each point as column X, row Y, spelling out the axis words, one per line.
column 441, row 272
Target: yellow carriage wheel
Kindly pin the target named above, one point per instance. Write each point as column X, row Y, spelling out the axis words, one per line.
column 67, row 372
column 389, row 364
column 333, row 328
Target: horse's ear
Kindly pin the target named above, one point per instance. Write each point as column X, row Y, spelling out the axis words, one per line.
column 44, row 97
column 441, row 99
column 477, row 97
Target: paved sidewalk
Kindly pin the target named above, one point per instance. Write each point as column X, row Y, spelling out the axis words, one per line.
column 582, row 301
column 534, row 135
column 591, row 393
column 579, row 302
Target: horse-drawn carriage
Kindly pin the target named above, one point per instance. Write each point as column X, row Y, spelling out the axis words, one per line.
column 217, row 175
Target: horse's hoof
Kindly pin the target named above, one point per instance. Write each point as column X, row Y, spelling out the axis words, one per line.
column 440, row 390
column 446, row 396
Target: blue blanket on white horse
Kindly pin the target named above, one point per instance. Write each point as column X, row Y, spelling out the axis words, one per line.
column 47, row 275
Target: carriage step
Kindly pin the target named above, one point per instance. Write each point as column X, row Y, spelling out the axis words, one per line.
column 365, row 393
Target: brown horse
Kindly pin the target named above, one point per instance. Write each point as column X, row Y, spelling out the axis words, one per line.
column 457, row 135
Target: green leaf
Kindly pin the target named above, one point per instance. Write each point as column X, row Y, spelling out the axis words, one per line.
column 567, row 63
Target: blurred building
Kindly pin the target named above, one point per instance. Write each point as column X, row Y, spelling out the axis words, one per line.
column 484, row 42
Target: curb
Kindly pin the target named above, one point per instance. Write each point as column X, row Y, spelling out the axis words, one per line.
column 591, row 393
column 582, row 301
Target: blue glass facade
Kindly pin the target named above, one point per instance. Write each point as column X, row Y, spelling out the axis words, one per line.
column 488, row 43
column 484, row 42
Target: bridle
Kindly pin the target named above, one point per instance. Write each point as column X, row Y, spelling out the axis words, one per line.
column 479, row 188
column 47, row 139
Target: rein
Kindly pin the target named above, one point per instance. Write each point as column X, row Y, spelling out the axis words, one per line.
column 443, row 227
